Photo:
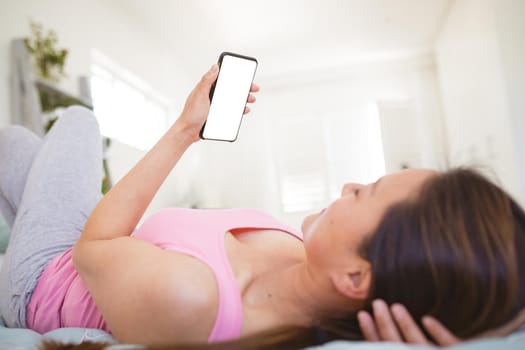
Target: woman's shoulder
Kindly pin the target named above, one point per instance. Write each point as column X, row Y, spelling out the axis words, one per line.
column 189, row 297
column 177, row 301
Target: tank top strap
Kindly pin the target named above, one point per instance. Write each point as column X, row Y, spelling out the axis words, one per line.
column 228, row 323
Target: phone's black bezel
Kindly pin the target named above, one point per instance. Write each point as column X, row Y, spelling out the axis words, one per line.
column 212, row 90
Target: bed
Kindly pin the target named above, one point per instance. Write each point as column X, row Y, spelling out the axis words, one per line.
column 22, row 339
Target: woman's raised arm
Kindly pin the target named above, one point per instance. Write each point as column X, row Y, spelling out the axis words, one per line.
column 118, row 213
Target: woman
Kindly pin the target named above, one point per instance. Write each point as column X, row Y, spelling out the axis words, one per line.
column 190, row 276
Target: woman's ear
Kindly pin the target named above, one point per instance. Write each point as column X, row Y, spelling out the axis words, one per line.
column 354, row 282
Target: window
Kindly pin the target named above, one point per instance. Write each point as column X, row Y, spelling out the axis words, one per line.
column 315, row 155
column 127, row 109
column 301, row 163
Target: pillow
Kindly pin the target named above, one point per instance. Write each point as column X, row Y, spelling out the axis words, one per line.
column 4, row 235
column 21, row 339
column 26, row 339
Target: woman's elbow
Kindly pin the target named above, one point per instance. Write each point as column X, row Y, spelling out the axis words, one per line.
column 79, row 255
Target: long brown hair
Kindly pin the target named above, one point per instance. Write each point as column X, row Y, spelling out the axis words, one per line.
column 451, row 252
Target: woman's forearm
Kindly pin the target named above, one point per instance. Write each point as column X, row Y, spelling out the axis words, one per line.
column 120, row 210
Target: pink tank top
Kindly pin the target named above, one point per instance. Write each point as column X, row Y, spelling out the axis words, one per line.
column 60, row 298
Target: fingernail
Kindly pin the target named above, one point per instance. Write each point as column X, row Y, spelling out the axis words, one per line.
column 378, row 303
column 427, row 321
column 363, row 317
column 397, row 311
column 214, row 68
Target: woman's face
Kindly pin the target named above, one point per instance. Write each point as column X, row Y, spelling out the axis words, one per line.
column 333, row 236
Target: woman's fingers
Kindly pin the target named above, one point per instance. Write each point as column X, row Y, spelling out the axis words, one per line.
column 385, row 324
column 251, row 99
column 406, row 324
column 254, row 88
column 367, row 325
column 396, row 324
column 441, row 335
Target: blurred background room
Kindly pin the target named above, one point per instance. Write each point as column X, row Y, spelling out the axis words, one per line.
column 350, row 89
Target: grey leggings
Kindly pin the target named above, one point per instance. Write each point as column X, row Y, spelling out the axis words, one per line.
column 48, row 188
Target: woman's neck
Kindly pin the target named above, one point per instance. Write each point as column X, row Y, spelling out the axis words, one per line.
column 292, row 295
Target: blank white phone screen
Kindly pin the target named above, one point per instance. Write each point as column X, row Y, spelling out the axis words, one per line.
column 229, row 98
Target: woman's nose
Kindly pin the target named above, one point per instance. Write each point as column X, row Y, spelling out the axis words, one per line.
column 350, row 188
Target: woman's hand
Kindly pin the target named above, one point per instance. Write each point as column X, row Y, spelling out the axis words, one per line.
column 197, row 104
column 397, row 325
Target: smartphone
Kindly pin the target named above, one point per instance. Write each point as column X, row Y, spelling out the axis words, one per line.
column 228, row 96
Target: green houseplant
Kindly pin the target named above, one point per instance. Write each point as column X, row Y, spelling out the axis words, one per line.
column 48, row 59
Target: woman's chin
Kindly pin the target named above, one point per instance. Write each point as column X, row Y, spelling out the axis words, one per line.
column 307, row 221
column 307, row 224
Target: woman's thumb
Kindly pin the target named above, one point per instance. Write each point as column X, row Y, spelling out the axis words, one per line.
column 209, row 78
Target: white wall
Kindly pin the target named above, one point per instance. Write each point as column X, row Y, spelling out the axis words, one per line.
column 333, row 102
column 83, row 25
column 510, row 22
column 476, row 89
